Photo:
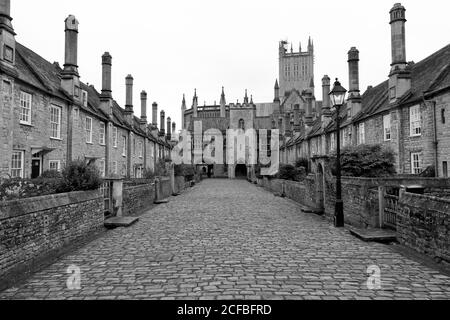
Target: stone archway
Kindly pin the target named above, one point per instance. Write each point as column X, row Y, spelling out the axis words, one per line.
column 241, row 171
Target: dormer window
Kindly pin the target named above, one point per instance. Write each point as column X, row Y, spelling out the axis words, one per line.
column 8, row 53
column 76, row 91
column 84, row 98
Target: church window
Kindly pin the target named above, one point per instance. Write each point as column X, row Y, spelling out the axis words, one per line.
column 242, row 124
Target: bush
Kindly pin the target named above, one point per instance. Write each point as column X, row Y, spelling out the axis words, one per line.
column 79, row 176
column 367, row 161
column 149, row 174
column 287, row 172
column 161, row 169
column 51, row 174
column 302, row 163
column 26, row 188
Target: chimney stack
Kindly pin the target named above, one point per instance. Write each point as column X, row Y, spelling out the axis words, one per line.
column 169, row 129
column 70, row 78
column 106, row 75
column 309, row 116
column 7, row 40
column 354, row 97
column 155, row 115
column 162, row 130
column 326, row 102
column 144, row 108
column 174, row 129
column 400, row 76
column 183, row 111
column 129, row 111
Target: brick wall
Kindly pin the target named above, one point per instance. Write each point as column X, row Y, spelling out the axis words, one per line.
column 31, row 229
column 424, row 225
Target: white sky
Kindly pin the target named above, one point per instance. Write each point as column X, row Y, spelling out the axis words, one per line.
column 172, row 47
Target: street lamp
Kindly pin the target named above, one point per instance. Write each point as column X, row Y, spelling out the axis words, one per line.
column 337, row 96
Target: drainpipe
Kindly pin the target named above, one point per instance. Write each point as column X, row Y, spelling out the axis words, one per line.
column 435, row 141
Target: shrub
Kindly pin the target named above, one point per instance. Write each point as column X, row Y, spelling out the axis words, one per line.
column 149, row 174
column 185, row 170
column 302, row 163
column 287, row 172
column 79, row 176
column 26, row 188
column 365, row 161
column 51, row 174
column 161, row 169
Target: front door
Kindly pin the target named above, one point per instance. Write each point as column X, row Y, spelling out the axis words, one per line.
column 35, row 168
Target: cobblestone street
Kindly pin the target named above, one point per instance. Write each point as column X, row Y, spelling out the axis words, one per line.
column 232, row 240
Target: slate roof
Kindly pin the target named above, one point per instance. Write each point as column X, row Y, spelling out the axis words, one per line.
column 43, row 75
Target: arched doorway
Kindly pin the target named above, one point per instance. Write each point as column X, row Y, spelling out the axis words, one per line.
column 241, row 171
column 320, row 187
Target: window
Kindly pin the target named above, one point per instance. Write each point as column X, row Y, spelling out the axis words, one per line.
column 115, row 137
column 25, row 108
column 134, row 147
column 392, row 93
column 17, row 164
column 84, row 98
column 416, row 167
column 55, row 165
column 387, row 127
column 102, row 133
column 102, row 167
column 415, row 121
column 443, row 116
column 55, row 122
column 141, row 150
column 242, row 124
column 76, row 113
column 361, row 133
column 88, row 130
column 8, row 53
column 333, row 141
column 124, row 144
column 7, row 91
column 139, row 172
column 445, row 169
column 76, row 92
column 114, row 167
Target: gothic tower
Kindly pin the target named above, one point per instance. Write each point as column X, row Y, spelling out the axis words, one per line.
column 296, row 69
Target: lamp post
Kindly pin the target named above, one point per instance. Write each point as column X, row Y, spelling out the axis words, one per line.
column 337, row 96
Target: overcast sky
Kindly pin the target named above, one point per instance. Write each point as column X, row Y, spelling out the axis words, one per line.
column 172, row 47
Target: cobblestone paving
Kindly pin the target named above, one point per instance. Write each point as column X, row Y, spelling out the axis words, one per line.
column 232, row 240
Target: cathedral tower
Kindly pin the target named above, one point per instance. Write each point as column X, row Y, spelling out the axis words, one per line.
column 296, row 69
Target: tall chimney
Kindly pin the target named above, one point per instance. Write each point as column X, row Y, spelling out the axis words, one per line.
column 106, row 75
column 7, row 40
column 309, row 116
column 155, row 115
column 144, row 108
column 169, row 129
column 183, row 111
column 70, row 78
column 174, row 129
column 106, row 101
column 326, row 102
column 162, row 130
column 129, row 93
column 400, row 76
column 354, row 97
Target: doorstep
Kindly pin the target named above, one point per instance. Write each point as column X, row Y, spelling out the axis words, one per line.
column 375, row 235
column 120, row 222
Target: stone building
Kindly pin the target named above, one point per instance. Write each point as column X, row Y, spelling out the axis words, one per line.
column 48, row 117
column 293, row 99
column 408, row 112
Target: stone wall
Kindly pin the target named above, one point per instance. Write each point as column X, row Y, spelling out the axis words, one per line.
column 424, row 225
column 137, row 198
column 31, row 229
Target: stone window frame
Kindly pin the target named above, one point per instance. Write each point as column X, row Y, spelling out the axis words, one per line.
column 55, row 124
column 84, row 98
column 416, row 169
column 26, row 104
column 102, row 167
column 115, row 137
column 88, row 129
column 7, row 49
column 115, row 167
column 415, row 121
column 387, row 127
column 17, row 164
column 361, row 133
column 124, row 146
column 53, row 162
column 102, row 134
column 140, row 149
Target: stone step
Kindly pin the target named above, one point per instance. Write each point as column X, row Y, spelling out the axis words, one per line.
column 161, row 201
column 374, row 235
column 120, row 222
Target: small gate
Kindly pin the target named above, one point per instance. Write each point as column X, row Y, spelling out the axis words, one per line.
column 107, row 192
column 390, row 212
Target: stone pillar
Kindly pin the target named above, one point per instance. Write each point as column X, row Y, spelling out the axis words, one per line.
column 118, row 197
